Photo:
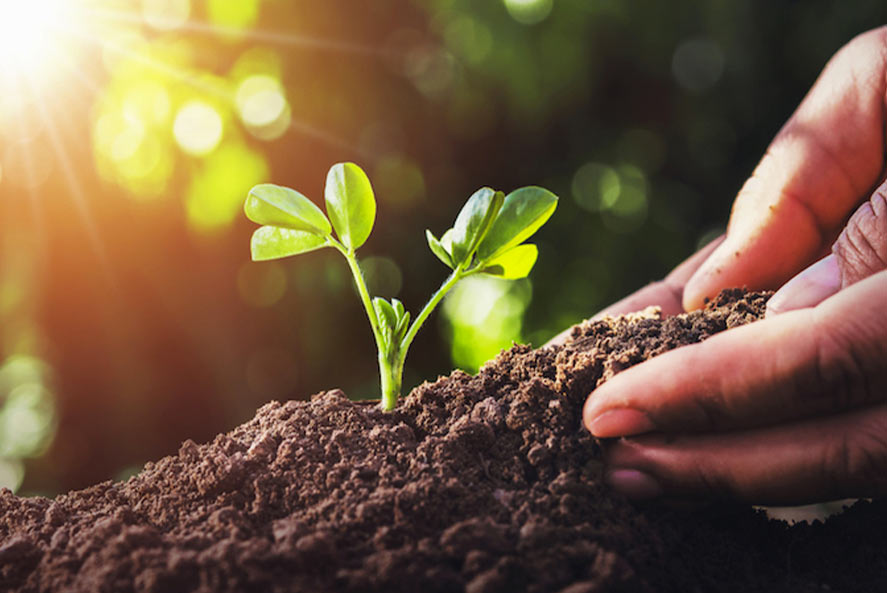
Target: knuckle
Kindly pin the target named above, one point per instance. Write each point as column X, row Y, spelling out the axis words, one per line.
column 841, row 372
column 835, row 464
column 714, row 483
column 861, row 249
column 707, row 407
column 711, row 411
column 858, row 459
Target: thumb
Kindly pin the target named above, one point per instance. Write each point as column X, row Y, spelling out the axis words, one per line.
column 827, row 157
column 859, row 252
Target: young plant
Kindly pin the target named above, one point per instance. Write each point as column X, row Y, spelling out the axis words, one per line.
column 487, row 238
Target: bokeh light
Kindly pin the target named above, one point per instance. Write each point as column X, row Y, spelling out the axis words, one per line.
column 166, row 15
column 27, row 415
column 198, row 127
column 12, row 473
column 470, row 38
column 382, row 275
column 399, row 180
column 484, row 316
column 214, row 197
column 261, row 286
column 431, row 68
column 697, row 64
column 263, row 107
column 529, row 12
column 618, row 194
column 233, row 15
column 596, row 186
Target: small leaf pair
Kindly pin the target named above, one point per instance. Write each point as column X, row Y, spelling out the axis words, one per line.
column 487, row 238
column 293, row 224
column 487, row 235
column 393, row 318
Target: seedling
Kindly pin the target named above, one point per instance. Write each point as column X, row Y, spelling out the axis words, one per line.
column 487, row 238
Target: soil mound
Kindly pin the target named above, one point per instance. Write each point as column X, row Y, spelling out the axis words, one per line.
column 479, row 484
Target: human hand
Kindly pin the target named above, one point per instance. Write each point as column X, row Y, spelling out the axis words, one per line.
column 793, row 408
column 825, row 162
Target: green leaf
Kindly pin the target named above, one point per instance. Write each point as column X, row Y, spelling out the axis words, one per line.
column 446, row 241
column 514, row 264
column 385, row 312
column 387, row 318
column 403, row 319
column 273, row 242
column 473, row 222
column 399, row 309
column 524, row 211
column 437, row 249
column 284, row 207
column 350, row 203
column 401, row 330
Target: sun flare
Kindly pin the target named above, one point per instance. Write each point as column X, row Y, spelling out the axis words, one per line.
column 31, row 33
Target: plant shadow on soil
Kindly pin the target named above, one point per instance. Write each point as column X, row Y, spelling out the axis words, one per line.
column 479, row 484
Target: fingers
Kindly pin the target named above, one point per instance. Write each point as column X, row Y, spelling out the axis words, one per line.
column 829, row 155
column 859, row 252
column 808, row 461
column 862, row 247
column 665, row 293
column 807, row 289
column 791, row 366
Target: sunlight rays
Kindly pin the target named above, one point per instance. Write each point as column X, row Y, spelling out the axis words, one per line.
column 75, row 188
column 54, row 32
column 219, row 91
column 223, row 31
column 61, row 74
column 50, row 66
column 26, row 33
column 35, row 56
column 43, row 30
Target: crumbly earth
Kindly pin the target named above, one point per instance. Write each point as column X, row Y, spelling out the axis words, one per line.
column 479, row 484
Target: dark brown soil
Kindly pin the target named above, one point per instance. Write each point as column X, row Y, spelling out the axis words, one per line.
column 475, row 484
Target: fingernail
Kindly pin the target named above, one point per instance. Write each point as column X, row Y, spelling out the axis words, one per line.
column 619, row 423
column 633, row 483
column 807, row 289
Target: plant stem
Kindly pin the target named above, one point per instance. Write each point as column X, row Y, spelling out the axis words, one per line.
column 364, row 293
column 391, row 375
column 429, row 307
column 392, row 356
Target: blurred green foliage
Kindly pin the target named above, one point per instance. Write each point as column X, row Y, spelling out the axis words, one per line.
column 126, row 273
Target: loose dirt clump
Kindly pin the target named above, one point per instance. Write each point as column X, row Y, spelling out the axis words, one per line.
column 479, row 484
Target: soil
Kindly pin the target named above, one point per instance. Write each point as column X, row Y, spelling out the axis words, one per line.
column 479, row 484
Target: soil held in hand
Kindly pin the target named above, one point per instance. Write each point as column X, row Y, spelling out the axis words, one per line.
column 477, row 484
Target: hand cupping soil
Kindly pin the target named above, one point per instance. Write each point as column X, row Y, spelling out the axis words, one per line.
column 477, row 484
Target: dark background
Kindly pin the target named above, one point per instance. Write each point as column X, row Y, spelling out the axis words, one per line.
column 131, row 321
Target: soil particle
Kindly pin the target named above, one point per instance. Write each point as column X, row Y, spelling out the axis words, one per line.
column 480, row 484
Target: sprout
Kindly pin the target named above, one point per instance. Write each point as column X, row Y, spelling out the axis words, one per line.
column 487, row 238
